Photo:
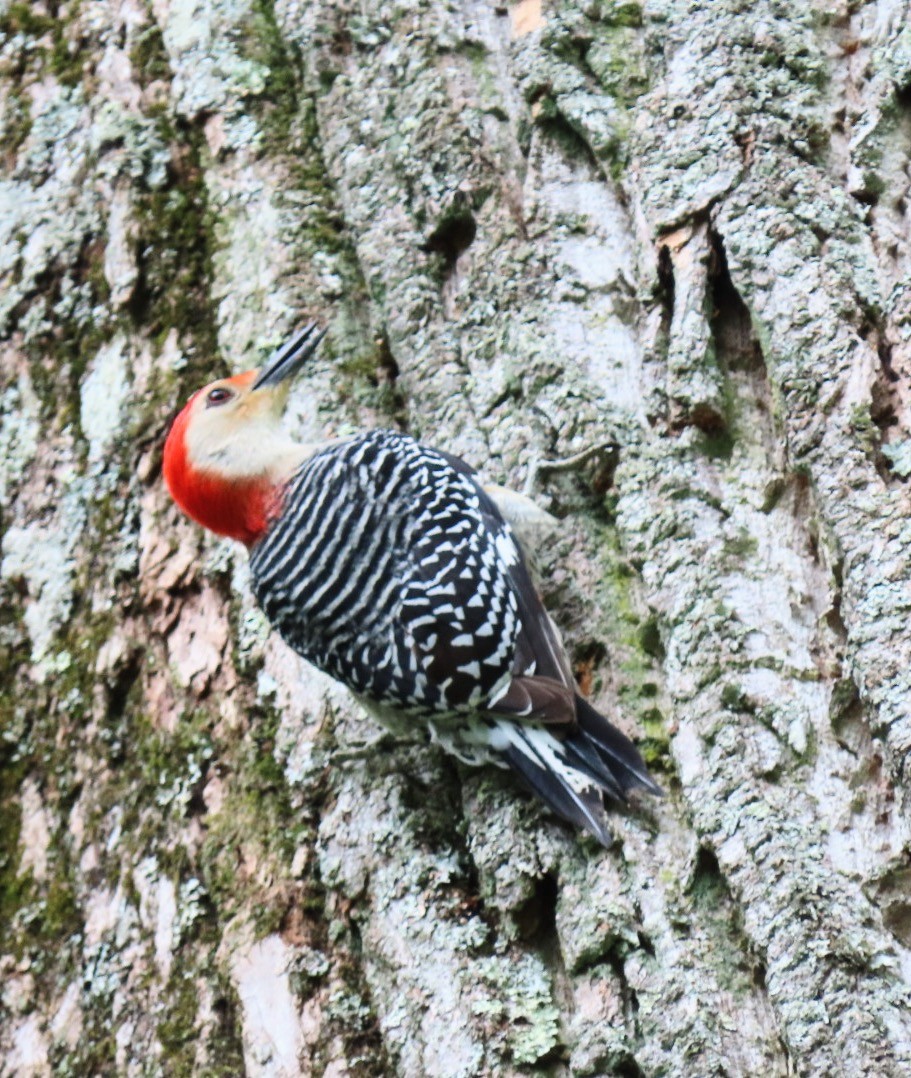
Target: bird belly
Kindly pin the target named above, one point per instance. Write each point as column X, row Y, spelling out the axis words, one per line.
column 472, row 739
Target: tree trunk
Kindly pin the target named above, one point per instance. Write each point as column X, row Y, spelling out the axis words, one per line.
column 676, row 230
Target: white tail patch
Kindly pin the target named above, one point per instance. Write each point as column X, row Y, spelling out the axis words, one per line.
column 471, row 741
column 541, row 747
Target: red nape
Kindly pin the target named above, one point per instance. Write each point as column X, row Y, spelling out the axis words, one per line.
column 239, row 508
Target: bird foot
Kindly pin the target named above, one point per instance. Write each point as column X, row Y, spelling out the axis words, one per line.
column 371, row 747
column 540, row 468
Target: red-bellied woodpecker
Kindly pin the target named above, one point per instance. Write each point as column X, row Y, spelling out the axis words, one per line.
column 392, row 568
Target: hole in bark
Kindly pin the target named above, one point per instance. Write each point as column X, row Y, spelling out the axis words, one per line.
column 452, row 236
column 846, row 714
column 717, row 443
column 666, row 277
column 707, row 419
column 536, row 919
column 196, row 803
column 892, row 898
column 885, row 402
column 665, row 294
column 884, row 352
column 903, row 96
column 746, row 140
column 707, row 883
column 357, row 1027
column 119, row 689
column 866, row 196
column 628, row 1068
column 386, row 366
column 882, row 405
column 650, row 638
column 833, row 616
column 739, row 357
column 223, row 1010
column 18, row 586
column 897, row 918
column 732, row 328
column 227, row 1033
column 889, row 409
column 813, row 546
column 587, row 656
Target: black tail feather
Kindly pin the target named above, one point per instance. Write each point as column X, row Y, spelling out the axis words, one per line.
column 584, row 808
column 582, row 756
column 619, row 756
column 572, row 774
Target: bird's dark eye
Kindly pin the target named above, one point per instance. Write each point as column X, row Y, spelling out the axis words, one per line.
column 218, row 395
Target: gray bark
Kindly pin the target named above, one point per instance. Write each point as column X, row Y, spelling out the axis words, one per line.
column 680, row 228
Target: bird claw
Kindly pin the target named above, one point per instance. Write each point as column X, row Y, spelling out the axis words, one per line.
column 540, row 468
column 370, row 748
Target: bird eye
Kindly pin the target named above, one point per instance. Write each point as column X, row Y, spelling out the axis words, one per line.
column 218, row 395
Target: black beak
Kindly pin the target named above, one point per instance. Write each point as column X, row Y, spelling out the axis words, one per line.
column 289, row 359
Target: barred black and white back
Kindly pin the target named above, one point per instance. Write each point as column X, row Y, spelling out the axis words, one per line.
column 392, row 570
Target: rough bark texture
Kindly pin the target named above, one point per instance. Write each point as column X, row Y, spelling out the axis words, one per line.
column 678, row 227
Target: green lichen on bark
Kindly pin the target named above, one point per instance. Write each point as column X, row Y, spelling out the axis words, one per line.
column 51, row 45
column 636, row 648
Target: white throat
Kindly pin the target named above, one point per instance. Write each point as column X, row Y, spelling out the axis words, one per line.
column 263, row 449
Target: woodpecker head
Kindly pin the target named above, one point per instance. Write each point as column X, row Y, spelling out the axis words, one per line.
column 226, row 458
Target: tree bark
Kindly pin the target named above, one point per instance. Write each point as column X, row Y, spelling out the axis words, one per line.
column 674, row 229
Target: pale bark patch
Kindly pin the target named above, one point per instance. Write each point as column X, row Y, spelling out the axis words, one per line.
column 29, row 1055
column 35, row 836
column 66, row 1024
column 120, row 266
column 271, row 1023
column 158, row 912
column 526, row 17
column 104, row 396
column 197, row 643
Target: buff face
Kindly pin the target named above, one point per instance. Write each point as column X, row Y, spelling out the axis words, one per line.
column 226, row 457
